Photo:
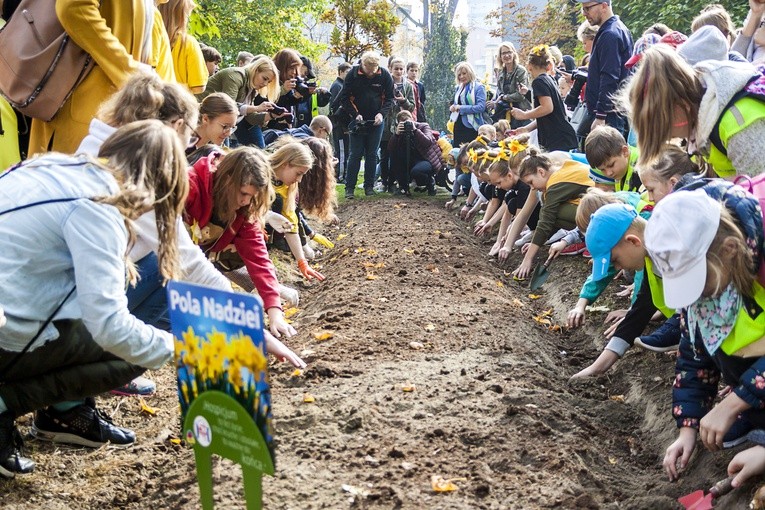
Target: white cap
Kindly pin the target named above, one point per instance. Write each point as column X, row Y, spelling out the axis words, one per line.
column 677, row 237
column 706, row 43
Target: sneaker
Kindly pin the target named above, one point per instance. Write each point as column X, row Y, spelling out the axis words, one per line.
column 391, row 188
column 349, row 195
column 83, row 425
column 573, row 249
column 586, row 254
column 560, row 234
column 11, row 460
column 525, row 238
column 139, row 386
column 370, row 192
column 666, row 338
column 379, row 187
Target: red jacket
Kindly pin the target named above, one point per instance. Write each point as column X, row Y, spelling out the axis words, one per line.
column 246, row 236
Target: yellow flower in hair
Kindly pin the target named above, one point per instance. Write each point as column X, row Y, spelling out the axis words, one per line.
column 501, row 155
column 515, row 147
column 540, row 50
column 482, row 141
column 472, row 155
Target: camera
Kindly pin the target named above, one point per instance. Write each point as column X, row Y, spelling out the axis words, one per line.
column 277, row 110
column 408, row 126
column 303, row 87
column 579, row 77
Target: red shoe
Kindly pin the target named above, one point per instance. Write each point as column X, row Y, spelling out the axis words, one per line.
column 586, row 254
column 574, row 249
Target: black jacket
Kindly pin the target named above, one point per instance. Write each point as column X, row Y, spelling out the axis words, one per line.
column 367, row 96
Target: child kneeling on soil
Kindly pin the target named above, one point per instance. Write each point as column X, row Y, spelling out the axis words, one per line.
column 709, row 259
column 607, row 151
column 291, row 161
column 316, row 190
column 227, row 201
column 562, row 184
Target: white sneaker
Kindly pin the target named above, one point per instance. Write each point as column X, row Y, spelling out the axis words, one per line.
column 560, row 234
column 525, row 238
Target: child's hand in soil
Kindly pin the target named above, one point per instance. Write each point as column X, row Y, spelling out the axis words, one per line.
column 679, row 452
column 524, row 270
column 478, row 227
column 747, row 464
column 282, row 352
column 450, row 204
column 626, row 290
column 495, row 249
column 278, row 325
column 464, row 212
column 615, row 316
column 575, row 317
column 612, row 328
column 504, row 253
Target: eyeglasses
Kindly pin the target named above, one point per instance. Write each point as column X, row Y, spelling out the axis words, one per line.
column 194, row 137
column 227, row 128
column 586, row 8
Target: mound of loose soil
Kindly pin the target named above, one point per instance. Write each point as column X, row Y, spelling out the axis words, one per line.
column 412, row 300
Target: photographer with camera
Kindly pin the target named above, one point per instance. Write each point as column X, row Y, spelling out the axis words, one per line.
column 611, row 49
column 403, row 99
column 313, row 95
column 414, row 154
column 512, row 86
column 288, row 63
column 366, row 97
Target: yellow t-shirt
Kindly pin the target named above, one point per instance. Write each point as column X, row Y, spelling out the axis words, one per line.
column 189, row 63
column 9, row 142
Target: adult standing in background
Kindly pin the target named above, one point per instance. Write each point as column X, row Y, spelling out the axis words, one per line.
column 611, row 49
column 123, row 37
column 366, row 97
column 188, row 61
column 512, row 85
column 469, row 104
column 412, row 72
column 339, row 126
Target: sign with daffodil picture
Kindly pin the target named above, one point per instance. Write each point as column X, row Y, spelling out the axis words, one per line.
column 221, row 362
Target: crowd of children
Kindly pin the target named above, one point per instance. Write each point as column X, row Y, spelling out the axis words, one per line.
column 662, row 211
column 153, row 193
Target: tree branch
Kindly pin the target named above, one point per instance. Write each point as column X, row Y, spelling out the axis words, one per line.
column 407, row 15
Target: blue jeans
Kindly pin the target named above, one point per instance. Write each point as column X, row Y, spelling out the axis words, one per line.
column 614, row 120
column 422, row 173
column 364, row 144
column 148, row 299
column 247, row 134
column 461, row 182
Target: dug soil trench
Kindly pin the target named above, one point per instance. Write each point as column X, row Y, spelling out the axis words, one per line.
column 412, row 302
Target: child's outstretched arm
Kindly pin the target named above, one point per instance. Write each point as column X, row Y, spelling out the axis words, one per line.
column 520, row 221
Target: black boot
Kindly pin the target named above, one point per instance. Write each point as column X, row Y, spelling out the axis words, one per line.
column 11, row 443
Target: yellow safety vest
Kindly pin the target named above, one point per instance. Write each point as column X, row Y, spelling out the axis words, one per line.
column 738, row 117
column 749, row 326
column 657, row 289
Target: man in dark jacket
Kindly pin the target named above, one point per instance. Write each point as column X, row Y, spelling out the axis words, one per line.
column 610, row 51
column 339, row 124
column 414, row 154
column 366, row 97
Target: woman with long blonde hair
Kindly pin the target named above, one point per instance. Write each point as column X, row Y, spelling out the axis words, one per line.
column 188, row 62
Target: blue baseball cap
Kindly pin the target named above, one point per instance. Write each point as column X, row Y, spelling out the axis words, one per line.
column 606, row 229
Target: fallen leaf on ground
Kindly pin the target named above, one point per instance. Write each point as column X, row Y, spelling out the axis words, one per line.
column 379, row 265
column 340, row 237
column 408, row 387
column 440, row 484
column 612, row 460
column 175, row 440
column 617, row 398
column 416, row 345
column 333, row 259
column 518, row 302
column 346, row 251
column 371, row 276
column 407, row 250
column 308, row 398
column 350, row 224
column 297, row 372
column 430, row 327
column 371, row 252
column 436, row 232
column 145, row 408
column 360, row 250
column 323, row 335
column 500, row 284
column 289, row 312
column 534, row 296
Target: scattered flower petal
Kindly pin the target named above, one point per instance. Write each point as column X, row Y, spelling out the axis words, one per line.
column 308, row 398
column 323, row 335
column 340, row 237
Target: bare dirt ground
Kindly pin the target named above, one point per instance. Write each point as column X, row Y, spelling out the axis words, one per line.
column 491, row 406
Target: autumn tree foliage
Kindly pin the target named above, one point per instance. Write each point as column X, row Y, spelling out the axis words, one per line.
column 359, row 26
